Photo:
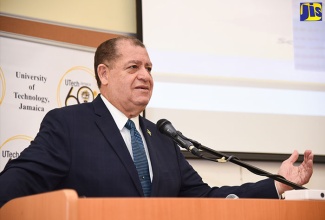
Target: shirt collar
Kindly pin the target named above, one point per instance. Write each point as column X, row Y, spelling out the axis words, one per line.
column 119, row 118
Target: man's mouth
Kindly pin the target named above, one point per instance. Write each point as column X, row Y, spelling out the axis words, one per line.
column 142, row 87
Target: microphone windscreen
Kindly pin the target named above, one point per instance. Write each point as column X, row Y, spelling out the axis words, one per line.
column 232, row 196
column 161, row 124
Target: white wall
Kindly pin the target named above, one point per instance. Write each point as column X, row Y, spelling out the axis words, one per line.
column 109, row 15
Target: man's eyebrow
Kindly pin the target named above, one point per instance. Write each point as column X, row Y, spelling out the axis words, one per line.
column 133, row 61
column 139, row 62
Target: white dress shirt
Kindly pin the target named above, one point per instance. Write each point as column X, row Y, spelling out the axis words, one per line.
column 120, row 120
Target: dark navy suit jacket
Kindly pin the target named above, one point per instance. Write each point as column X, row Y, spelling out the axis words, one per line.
column 80, row 147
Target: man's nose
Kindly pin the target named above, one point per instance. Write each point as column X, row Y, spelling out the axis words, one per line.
column 144, row 74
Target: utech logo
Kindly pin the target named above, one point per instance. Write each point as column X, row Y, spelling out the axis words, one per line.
column 78, row 85
column 311, row 11
column 12, row 148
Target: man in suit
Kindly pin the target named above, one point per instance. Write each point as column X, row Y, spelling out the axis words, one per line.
column 87, row 147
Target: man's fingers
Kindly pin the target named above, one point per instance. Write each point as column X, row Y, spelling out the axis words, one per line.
column 308, row 156
column 294, row 157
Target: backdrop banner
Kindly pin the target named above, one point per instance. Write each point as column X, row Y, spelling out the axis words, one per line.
column 35, row 78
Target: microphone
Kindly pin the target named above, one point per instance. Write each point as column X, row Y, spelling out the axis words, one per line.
column 232, row 196
column 165, row 127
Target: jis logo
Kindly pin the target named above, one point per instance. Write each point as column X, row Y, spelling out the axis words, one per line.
column 311, row 11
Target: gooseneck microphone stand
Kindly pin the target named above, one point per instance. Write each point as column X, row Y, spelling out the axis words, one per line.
column 222, row 158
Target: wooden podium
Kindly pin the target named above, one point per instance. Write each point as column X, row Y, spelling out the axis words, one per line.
column 65, row 205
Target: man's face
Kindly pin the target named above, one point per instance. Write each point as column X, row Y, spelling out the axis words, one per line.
column 129, row 83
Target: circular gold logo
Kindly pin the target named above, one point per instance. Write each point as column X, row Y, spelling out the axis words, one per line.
column 12, row 148
column 3, row 86
column 78, row 85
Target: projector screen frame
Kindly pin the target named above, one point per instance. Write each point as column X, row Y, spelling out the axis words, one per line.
column 269, row 157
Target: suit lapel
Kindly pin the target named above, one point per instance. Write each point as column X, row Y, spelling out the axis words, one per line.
column 106, row 124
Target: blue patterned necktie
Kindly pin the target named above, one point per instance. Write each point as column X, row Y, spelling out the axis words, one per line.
column 140, row 158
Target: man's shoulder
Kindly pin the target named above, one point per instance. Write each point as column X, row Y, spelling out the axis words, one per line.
column 78, row 107
column 77, row 110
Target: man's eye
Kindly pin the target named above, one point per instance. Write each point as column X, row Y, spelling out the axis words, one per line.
column 133, row 67
column 149, row 69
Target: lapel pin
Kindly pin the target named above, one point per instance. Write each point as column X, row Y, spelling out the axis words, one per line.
column 149, row 132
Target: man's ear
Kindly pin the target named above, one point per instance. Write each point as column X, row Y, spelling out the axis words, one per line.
column 103, row 71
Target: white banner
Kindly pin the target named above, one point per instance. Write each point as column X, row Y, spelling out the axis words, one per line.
column 34, row 79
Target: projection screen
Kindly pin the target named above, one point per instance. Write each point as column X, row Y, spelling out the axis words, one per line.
column 240, row 76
